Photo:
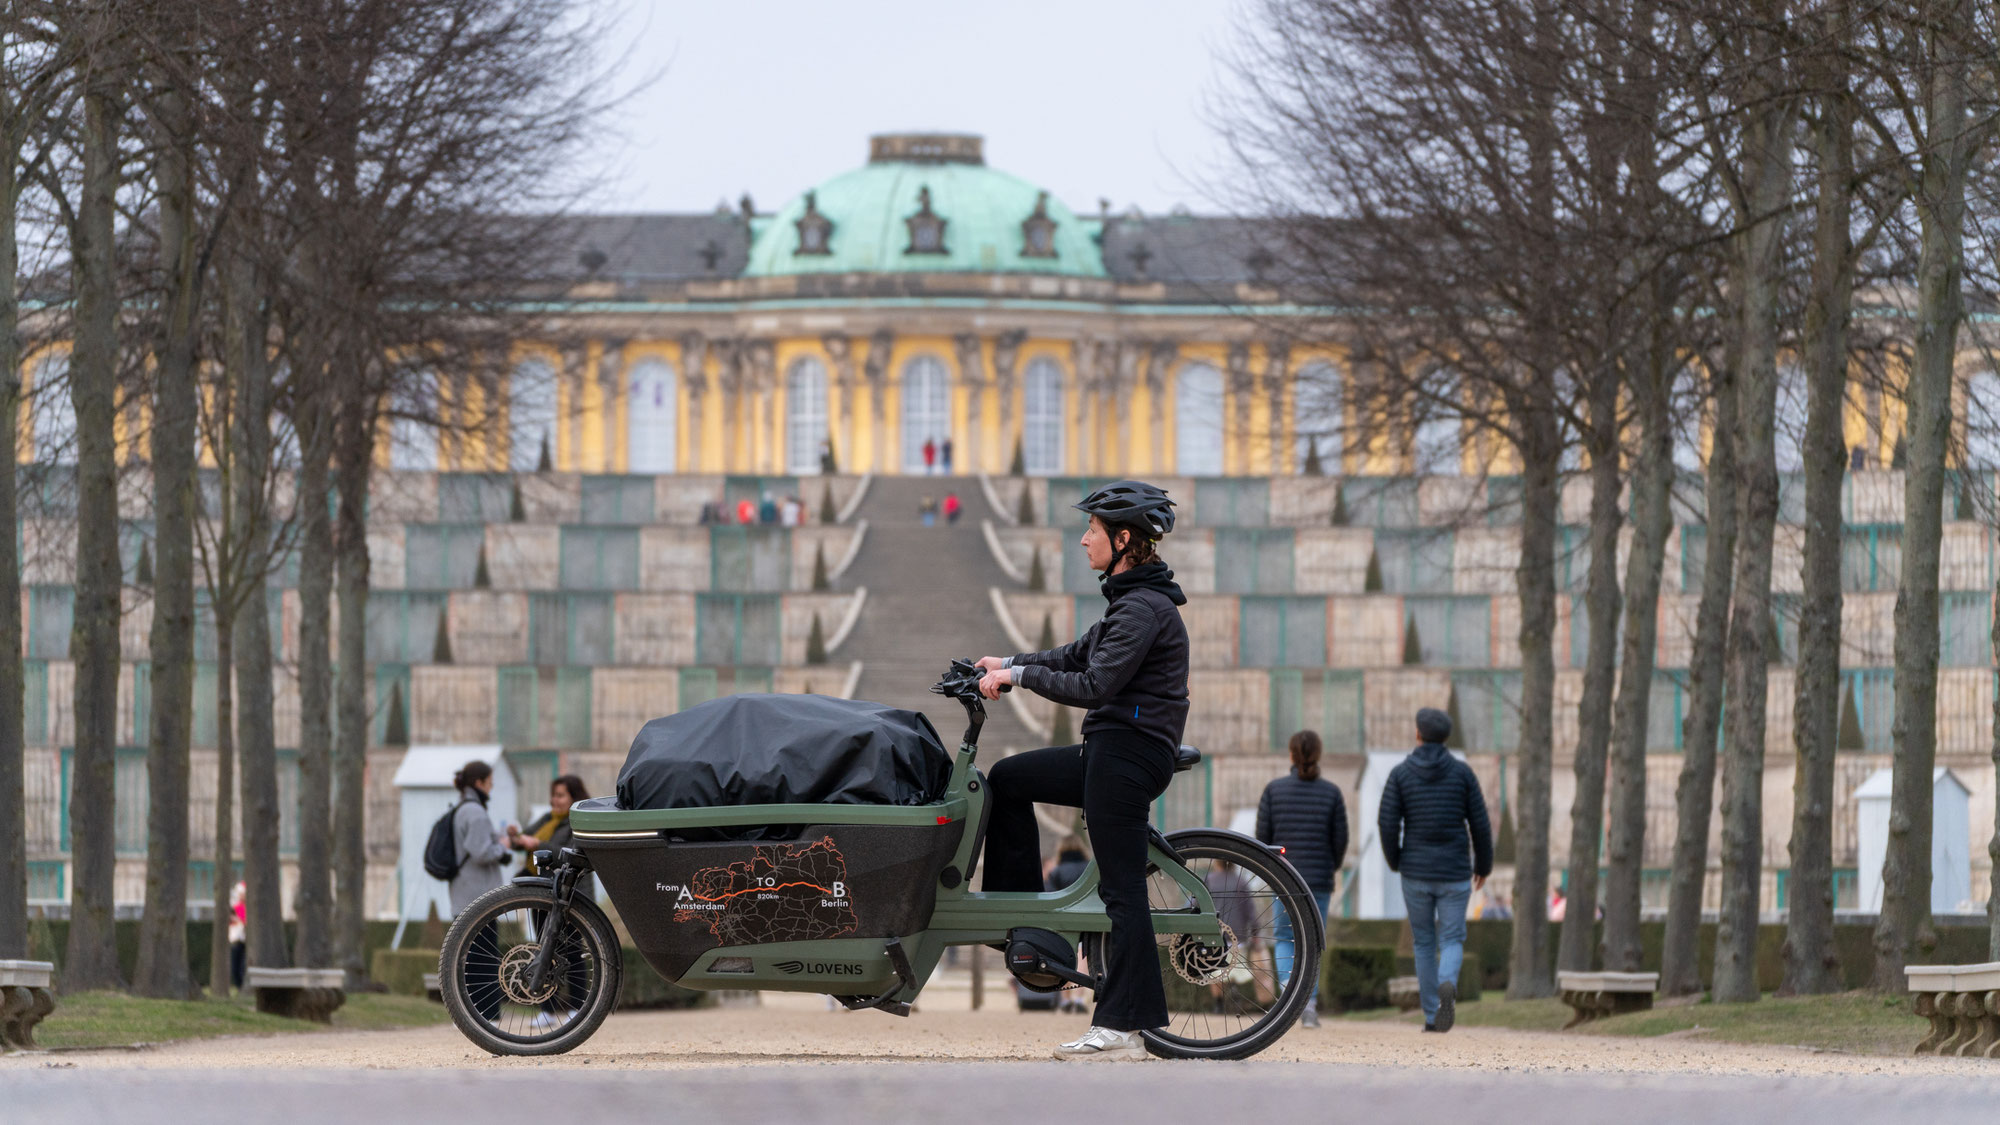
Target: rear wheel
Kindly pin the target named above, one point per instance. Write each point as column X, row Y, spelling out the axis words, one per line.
column 485, row 971
column 1228, row 1000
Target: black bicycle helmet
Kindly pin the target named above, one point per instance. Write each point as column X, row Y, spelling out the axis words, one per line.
column 1132, row 504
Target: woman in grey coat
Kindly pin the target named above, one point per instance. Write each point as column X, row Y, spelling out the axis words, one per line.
column 482, row 866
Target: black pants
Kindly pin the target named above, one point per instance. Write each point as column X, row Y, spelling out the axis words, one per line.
column 1115, row 777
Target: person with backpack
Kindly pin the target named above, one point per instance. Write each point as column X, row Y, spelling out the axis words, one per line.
column 478, row 863
column 1302, row 812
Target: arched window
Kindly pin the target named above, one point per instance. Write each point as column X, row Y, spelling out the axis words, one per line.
column 1789, row 426
column 652, row 406
column 1317, row 420
column 1689, row 405
column 926, row 409
column 1440, row 438
column 805, row 414
column 531, row 417
column 1042, row 421
column 54, row 415
column 1982, row 421
column 1198, row 421
column 413, row 438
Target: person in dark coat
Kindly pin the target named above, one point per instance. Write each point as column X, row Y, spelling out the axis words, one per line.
column 1435, row 834
column 1303, row 813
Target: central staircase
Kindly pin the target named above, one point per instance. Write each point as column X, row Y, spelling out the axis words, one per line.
column 927, row 603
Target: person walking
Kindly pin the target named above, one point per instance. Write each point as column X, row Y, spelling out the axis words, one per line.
column 482, row 864
column 944, row 455
column 1435, row 834
column 238, row 932
column 1303, row 813
column 930, row 455
column 1131, row 670
column 951, row 506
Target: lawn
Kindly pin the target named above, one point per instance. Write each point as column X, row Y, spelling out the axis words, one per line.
column 113, row 1019
column 1857, row 1022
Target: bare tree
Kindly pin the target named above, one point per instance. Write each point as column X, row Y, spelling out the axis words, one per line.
column 1938, row 44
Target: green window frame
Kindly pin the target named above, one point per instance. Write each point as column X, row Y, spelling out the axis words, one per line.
column 1232, row 501
column 45, row 881
column 1277, row 632
column 618, row 499
column 1326, row 700
column 51, row 617
column 1414, row 561
column 390, row 679
column 735, row 629
column 442, row 556
column 1252, row 560
column 129, row 790
column 1871, row 557
column 600, row 558
column 35, row 702
column 1453, row 630
column 1381, row 502
column 1489, row 709
column 403, row 625
column 749, row 560
column 475, row 497
column 699, row 685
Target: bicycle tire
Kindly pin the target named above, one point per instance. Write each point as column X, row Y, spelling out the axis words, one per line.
column 581, row 913
column 1195, row 845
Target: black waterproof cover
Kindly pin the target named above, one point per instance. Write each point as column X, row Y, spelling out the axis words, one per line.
column 759, row 749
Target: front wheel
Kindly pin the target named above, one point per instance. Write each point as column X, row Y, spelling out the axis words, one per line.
column 1232, row 1000
column 485, row 971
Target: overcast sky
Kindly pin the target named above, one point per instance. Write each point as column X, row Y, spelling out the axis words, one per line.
column 1088, row 98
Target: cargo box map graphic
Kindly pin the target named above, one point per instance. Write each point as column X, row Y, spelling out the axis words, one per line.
column 783, row 892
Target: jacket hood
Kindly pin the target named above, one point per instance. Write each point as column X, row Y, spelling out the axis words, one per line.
column 1430, row 761
column 1147, row 576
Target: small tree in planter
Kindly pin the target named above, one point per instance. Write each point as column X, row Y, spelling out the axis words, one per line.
column 1413, row 645
column 816, row 643
column 1038, row 580
column 1019, row 467
column 828, row 514
column 482, row 577
column 441, row 644
column 1024, row 513
column 820, row 583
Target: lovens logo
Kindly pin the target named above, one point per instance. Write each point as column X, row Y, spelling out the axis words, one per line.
column 819, row 968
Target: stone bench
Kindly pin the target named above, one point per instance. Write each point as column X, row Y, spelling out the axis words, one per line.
column 304, row 994
column 25, row 1000
column 1593, row 996
column 1404, row 994
column 1963, row 1004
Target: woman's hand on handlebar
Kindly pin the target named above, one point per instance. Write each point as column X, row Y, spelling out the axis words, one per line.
column 995, row 681
column 989, row 663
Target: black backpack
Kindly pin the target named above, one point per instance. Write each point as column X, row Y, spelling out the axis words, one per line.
column 441, row 850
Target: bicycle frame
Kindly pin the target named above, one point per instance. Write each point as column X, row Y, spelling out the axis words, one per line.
column 888, row 970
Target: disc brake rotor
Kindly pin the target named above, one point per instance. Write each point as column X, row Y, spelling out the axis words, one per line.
column 1198, row 962
column 516, row 966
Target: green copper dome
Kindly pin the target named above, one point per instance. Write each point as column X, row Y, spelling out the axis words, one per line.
column 924, row 203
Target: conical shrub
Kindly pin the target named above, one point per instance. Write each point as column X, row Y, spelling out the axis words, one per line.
column 1048, row 637
column 396, row 724
column 816, row 643
column 1019, row 466
column 142, row 571
column 1371, row 582
column 1457, row 739
column 1850, row 722
column 828, row 514
column 1024, row 512
column 544, row 463
column 1413, row 645
column 1339, row 518
column 820, row 582
column 1503, row 841
column 517, row 512
column 1038, row 581
column 1313, row 467
column 441, row 645
column 482, row 578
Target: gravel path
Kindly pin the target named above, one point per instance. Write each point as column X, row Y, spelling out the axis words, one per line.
column 794, row 1029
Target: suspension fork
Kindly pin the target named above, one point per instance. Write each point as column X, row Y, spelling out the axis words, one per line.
column 562, row 890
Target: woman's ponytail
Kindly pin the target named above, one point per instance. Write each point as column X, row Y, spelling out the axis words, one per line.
column 471, row 774
column 1305, row 754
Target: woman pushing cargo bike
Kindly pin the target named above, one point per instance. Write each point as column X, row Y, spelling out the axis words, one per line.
column 806, row 844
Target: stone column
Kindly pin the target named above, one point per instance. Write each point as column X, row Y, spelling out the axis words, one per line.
column 1006, row 351
column 1241, row 385
column 610, row 377
column 729, row 380
column 762, row 376
column 1277, row 358
column 1083, row 362
column 574, row 358
column 694, row 375
column 1155, row 364
column 971, row 372
column 876, row 369
column 840, row 349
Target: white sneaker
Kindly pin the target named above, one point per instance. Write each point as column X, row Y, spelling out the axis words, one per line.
column 1104, row 1044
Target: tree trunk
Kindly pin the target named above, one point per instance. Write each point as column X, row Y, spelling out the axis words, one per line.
column 163, row 963
column 1534, row 580
column 355, row 449
column 1940, row 204
column 1694, row 792
column 225, row 800
column 92, row 957
column 13, row 741
column 1811, row 965
column 1586, row 814
column 1652, row 518
column 256, row 734
column 316, row 841
column 1767, row 153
